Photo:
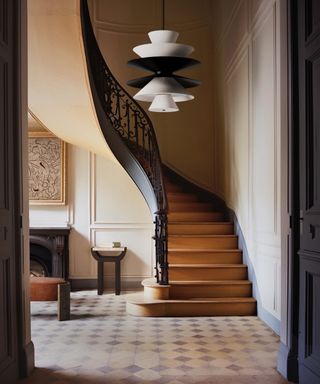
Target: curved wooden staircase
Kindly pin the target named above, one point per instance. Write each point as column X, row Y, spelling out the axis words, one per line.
column 206, row 274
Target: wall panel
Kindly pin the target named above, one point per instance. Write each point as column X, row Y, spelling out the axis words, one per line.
column 109, row 200
column 138, row 262
column 237, row 118
column 264, row 145
column 248, row 131
column 103, row 205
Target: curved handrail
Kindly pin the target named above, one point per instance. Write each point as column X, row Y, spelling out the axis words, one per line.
column 129, row 132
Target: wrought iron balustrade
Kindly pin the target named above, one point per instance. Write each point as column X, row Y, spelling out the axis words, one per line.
column 129, row 133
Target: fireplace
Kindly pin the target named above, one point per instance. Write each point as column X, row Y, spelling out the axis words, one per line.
column 49, row 252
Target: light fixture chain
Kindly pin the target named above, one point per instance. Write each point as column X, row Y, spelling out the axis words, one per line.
column 163, row 14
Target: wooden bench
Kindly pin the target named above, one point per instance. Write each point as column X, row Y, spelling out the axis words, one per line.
column 109, row 256
column 52, row 289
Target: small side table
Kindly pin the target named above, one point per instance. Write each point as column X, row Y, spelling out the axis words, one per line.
column 96, row 253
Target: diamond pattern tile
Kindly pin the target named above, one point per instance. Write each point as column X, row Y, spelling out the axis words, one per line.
column 102, row 344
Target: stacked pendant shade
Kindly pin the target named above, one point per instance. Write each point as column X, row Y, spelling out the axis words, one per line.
column 163, row 56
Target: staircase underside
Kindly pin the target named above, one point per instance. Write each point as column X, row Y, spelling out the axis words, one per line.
column 206, row 274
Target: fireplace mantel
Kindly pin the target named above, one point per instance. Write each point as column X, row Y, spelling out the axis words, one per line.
column 56, row 240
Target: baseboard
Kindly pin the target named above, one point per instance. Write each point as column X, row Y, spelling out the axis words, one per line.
column 205, row 195
column 268, row 318
column 27, row 360
column 287, row 364
column 84, row 284
column 263, row 314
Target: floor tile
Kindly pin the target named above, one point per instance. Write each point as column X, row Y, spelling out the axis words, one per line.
column 102, row 344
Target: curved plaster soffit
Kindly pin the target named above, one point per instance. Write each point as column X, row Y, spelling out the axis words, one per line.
column 59, row 91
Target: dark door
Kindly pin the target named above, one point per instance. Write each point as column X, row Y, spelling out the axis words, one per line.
column 9, row 189
column 309, row 135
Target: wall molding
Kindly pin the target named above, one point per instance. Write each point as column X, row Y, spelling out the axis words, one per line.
column 143, row 27
column 188, row 178
column 272, row 321
column 238, row 56
column 270, row 12
column 230, row 20
column 133, row 27
column 79, row 284
column 93, row 242
column 261, row 14
column 93, row 180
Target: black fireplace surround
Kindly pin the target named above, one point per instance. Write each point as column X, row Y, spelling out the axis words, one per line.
column 49, row 248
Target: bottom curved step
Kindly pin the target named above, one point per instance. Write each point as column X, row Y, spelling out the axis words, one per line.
column 139, row 305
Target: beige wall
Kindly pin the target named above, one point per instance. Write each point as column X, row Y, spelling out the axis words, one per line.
column 101, row 207
column 230, row 140
column 103, row 203
column 185, row 137
column 250, row 135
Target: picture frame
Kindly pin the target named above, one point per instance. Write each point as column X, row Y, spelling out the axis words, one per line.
column 46, row 169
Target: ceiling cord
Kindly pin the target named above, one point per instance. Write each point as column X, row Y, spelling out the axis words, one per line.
column 163, row 13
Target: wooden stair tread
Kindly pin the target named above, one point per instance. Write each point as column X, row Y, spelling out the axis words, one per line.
column 218, row 299
column 181, row 194
column 205, row 236
column 207, row 275
column 210, row 282
column 201, row 223
column 200, row 216
column 190, row 212
column 141, row 299
column 207, row 266
column 205, row 250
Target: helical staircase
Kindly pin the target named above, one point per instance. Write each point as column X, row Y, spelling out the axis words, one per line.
column 128, row 136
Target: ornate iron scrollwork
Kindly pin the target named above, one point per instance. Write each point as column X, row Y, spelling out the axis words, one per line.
column 135, row 128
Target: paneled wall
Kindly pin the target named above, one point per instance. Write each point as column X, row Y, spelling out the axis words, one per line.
column 231, row 140
column 103, row 205
column 250, row 136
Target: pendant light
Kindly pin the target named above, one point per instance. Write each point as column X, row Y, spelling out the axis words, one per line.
column 163, row 56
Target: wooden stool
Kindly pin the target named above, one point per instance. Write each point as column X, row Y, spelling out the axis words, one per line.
column 95, row 251
column 52, row 289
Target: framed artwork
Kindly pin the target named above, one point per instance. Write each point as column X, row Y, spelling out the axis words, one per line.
column 47, row 169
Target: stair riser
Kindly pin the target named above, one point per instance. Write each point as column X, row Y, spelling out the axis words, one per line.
column 228, row 290
column 206, row 274
column 195, row 216
column 173, row 188
column 203, row 242
column 204, row 258
column 200, row 229
column 193, row 309
column 190, row 207
column 216, row 309
column 181, row 197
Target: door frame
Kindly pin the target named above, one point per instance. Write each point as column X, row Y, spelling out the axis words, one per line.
column 294, row 193
column 25, row 348
column 288, row 349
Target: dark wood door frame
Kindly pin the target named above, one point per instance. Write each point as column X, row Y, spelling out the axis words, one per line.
column 294, row 197
column 288, row 351
column 294, row 368
column 19, row 360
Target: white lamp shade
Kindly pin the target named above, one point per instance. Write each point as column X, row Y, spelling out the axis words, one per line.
column 163, row 103
column 163, row 86
column 163, row 36
column 163, row 49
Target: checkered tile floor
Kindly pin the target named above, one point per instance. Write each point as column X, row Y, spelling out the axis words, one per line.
column 102, row 344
